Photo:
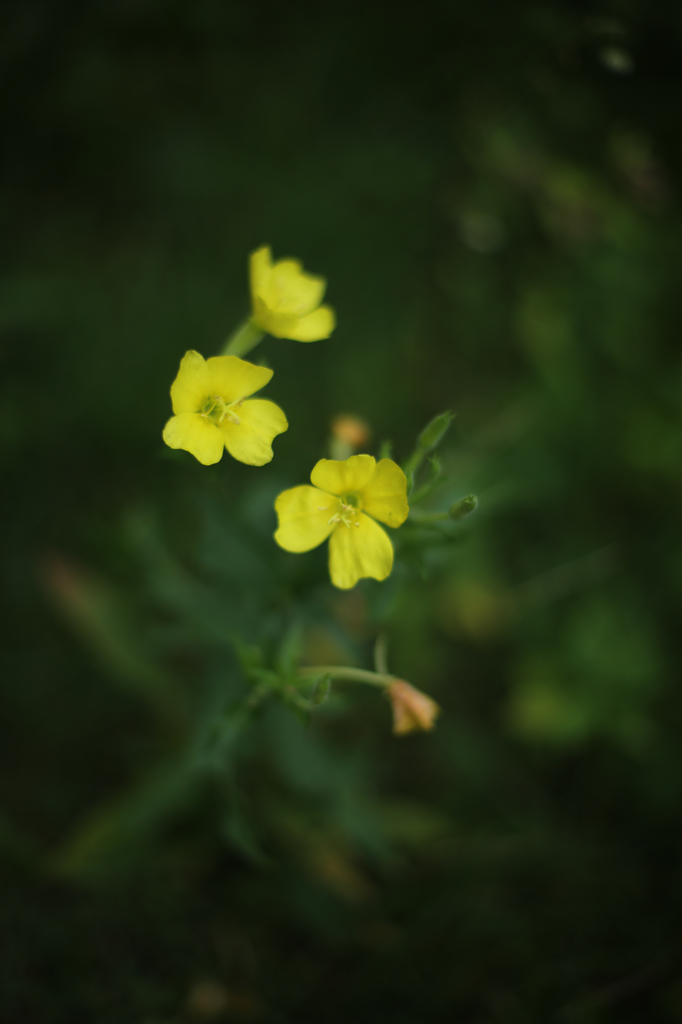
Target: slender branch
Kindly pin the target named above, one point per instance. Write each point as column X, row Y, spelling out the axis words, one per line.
column 353, row 675
column 412, row 464
column 381, row 654
column 244, row 339
column 430, row 517
column 458, row 511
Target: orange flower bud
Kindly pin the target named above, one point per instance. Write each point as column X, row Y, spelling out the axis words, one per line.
column 412, row 709
column 351, row 430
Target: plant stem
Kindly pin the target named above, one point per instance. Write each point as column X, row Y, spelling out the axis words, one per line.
column 353, row 675
column 244, row 339
column 431, row 517
column 381, row 654
column 411, row 465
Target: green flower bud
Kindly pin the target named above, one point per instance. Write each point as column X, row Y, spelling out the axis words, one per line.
column 463, row 508
column 433, row 432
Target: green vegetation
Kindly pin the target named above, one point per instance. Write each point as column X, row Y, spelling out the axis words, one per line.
column 492, row 192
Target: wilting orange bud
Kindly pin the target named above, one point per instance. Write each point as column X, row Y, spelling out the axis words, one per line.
column 412, row 709
column 351, row 430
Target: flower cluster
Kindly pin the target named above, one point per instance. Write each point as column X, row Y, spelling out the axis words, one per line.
column 348, row 497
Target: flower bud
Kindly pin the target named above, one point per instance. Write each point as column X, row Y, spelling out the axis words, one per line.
column 463, row 508
column 433, row 432
column 351, row 429
column 349, row 434
column 412, row 709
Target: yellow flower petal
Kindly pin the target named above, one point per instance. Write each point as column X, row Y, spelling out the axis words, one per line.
column 250, row 441
column 260, row 266
column 358, row 551
column 190, row 387
column 292, row 291
column 343, row 477
column 304, row 514
column 279, row 325
column 384, row 496
column 195, row 434
column 232, row 378
column 277, row 285
column 314, row 326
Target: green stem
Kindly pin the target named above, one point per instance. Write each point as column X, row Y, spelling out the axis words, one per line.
column 353, row 675
column 458, row 511
column 244, row 339
column 381, row 654
column 431, row 517
column 411, row 465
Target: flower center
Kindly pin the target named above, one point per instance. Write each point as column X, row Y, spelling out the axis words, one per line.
column 347, row 511
column 215, row 409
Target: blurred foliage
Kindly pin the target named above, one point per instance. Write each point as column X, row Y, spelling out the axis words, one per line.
column 492, row 191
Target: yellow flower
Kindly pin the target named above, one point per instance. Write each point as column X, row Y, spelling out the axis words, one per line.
column 211, row 413
column 286, row 301
column 412, row 709
column 339, row 504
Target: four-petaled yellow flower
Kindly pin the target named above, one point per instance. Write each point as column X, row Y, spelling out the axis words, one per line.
column 286, row 301
column 211, row 411
column 339, row 504
column 412, row 709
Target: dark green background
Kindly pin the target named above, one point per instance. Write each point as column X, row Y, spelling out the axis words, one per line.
column 492, row 191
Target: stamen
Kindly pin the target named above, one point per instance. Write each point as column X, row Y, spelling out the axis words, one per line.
column 214, row 410
column 347, row 514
